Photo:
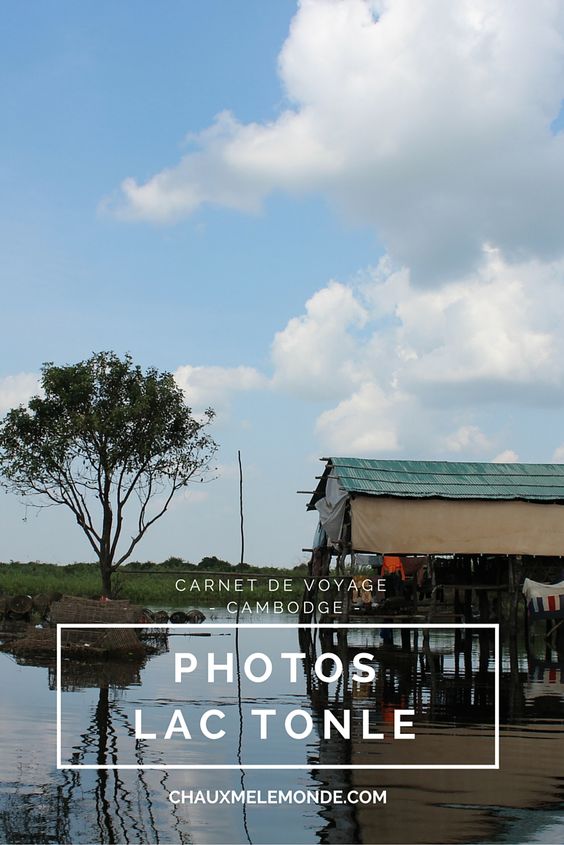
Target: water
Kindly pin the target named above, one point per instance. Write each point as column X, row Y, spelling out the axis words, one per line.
column 451, row 688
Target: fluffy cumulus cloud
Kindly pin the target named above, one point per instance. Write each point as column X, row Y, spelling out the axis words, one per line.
column 468, row 438
column 365, row 423
column 206, row 387
column 431, row 122
column 558, row 455
column 428, row 360
column 490, row 335
column 314, row 355
column 436, row 124
column 508, row 456
column 17, row 390
column 401, row 368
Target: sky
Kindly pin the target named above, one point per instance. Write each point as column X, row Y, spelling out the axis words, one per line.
column 338, row 222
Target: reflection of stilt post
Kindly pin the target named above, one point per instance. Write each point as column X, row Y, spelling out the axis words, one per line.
column 432, row 671
column 406, row 639
column 484, row 644
column 467, row 615
column 468, row 653
column 457, row 650
column 526, row 628
column 484, row 636
column 239, row 698
column 240, row 744
column 343, row 650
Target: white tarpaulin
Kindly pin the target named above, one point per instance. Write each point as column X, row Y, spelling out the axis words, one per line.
column 534, row 589
column 332, row 508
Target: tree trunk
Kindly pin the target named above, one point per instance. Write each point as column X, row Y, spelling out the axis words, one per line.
column 106, row 572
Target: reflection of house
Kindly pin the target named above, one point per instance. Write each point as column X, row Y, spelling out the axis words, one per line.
column 458, row 805
column 461, row 806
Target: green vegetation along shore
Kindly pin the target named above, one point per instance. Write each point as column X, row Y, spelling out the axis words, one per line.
column 149, row 583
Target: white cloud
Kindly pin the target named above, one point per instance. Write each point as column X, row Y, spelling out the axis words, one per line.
column 194, row 495
column 558, row 456
column 363, row 424
column 489, row 336
column 468, row 439
column 425, row 360
column 508, row 456
column 314, row 354
column 430, row 122
column 492, row 335
column 17, row 390
column 214, row 386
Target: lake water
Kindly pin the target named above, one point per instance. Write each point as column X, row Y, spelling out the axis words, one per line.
column 449, row 684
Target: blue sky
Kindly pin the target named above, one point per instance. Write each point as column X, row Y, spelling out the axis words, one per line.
column 362, row 254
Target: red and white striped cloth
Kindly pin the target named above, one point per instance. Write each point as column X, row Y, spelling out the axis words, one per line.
column 545, row 601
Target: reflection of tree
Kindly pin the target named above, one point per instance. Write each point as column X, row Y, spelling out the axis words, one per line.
column 123, row 814
column 103, row 814
column 105, row 805
column 39, row 817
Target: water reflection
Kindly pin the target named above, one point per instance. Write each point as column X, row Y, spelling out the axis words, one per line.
column 448, row 679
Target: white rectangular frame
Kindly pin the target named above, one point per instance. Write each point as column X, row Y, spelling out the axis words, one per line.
column 290, row 766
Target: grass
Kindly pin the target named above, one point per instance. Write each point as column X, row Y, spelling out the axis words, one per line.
column 154, row 587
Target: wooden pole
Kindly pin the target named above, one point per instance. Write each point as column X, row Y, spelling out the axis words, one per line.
column 242, row 557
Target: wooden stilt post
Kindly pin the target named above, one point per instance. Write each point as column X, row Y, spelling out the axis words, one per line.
column 515, row 566
column 345, row 594
column 526, row 628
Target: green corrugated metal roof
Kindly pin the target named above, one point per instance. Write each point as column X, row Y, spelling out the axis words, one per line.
column 447, row 480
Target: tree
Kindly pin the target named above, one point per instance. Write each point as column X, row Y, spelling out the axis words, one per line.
column 213, row 562
column 111, row 443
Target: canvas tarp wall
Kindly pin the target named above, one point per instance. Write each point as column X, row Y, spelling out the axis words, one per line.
column 332, row 507
column 389, row 524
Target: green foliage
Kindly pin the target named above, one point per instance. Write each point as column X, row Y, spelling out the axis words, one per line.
column 214, row 564
column 83, row 579
column 105, row 438
column 79, row 579
column 173, row 563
